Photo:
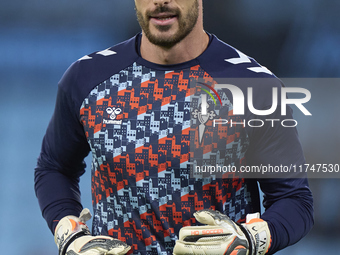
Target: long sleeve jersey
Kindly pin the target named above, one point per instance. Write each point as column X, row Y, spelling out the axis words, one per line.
column 151, row 127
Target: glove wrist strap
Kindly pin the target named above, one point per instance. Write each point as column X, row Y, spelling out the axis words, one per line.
column 70, row 228
column 258, row 233
column 249, row 237
column 64, row 245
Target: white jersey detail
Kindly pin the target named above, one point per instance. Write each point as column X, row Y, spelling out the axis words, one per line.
column 243, row 58
column 260, row 69
column 106, row 52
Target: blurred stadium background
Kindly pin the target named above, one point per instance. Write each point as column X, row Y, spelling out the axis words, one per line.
column 40, row 39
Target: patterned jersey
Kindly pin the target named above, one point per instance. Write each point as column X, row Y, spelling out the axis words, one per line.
column 144, row 125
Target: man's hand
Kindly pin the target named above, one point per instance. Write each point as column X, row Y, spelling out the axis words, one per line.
column 222, row 236
column 73, row 237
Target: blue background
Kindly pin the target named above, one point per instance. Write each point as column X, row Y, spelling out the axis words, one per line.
column 40, row 39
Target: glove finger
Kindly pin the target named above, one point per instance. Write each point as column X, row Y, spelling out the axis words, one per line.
column 98, row 245
column 182, row 248
column 118, row 248
column 213, row 218
column 208, row 247
column 210, row 217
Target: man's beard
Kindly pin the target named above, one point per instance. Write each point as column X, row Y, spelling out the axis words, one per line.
column 185, row 25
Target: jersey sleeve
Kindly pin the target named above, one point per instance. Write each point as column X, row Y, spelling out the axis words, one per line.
column 61, row 161
column 287, row 198
column 289, row 218
column 65, row 145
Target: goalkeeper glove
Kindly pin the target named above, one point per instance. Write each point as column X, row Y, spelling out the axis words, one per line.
column 73, row 237
column 221, row 235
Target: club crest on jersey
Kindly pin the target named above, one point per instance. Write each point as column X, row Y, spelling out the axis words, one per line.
column 113, row 113
column 203, row 114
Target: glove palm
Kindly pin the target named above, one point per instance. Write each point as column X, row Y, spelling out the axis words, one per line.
column 73, row 237
column 221, row 235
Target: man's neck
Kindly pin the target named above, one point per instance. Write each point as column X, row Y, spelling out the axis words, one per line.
column 189, row 48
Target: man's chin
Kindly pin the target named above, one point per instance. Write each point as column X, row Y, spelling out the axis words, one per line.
column 163, row 39
column 163, row 29
column 164, row 43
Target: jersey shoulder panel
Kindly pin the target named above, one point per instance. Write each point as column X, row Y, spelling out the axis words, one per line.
column 224, row 61
column 87, row 72
column 228, row 65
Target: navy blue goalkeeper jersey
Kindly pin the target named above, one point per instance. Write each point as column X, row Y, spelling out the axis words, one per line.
column 148, row 133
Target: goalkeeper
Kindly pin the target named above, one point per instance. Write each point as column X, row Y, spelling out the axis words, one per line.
column 144, row 109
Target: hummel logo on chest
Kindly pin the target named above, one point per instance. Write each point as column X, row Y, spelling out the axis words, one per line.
column 113, row 112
